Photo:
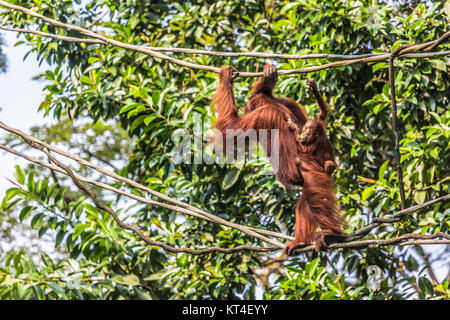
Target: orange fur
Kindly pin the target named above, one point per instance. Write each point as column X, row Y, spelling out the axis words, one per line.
column 263, row 112
column 309, row 164
column 317, row 206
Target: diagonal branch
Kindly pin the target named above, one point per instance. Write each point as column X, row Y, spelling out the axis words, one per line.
column 101, row 206
column 252, row 54
column 249, row 231
column 136, row 197
column 350, row 241
column 153, row 51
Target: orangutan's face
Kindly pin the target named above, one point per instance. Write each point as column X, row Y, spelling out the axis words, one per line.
column 309, row 132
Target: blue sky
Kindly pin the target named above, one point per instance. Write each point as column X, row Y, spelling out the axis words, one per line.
column 20, row 97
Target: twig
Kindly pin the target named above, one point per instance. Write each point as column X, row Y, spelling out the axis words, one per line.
column 101, row 206
column 153, row 51
column 252, row 54
column 402, row 240
column 249, row 231
column 136, row 197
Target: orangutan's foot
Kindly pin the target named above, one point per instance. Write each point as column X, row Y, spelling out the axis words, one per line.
column 291, row 246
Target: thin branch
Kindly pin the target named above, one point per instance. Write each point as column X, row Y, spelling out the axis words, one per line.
column 249, row 231
column 101, row 206
column 402, row 240
column 395, row 125
column 152, row 51
column 136, row 197
column 252, row 54
column 405, row 276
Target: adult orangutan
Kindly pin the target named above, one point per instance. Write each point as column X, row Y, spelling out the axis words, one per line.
column 263, row 111
column 306, row 156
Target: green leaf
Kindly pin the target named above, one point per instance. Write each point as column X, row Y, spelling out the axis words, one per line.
column 420, row 196
column 135, row 91
column 38, row 291
column 20, row 175
column 59, row 237
column 86, row 80
column 367, row 193
column 231, row 177
column 379, row 65
column 436, row 116
column 47, row 260
column 447, row 8
column 155, row 276
column 128, row 279
column 37, row 219
column 25, row 212
column 382, row 170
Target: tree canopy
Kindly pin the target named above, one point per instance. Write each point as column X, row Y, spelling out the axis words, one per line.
column 120, row 109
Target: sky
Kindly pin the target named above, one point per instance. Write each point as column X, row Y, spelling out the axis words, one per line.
column 20, row 97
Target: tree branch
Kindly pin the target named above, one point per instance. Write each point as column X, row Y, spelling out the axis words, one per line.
column 348, row 243
column 190, row 208
column 154, row 51
column 349, row 240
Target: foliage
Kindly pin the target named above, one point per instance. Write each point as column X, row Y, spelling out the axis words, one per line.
column 152, row 99
column 3, row 62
